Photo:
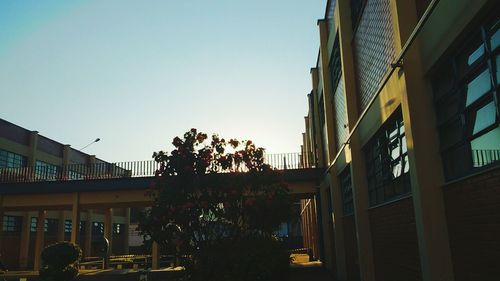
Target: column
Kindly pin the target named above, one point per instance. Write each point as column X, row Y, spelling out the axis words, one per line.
column 424, row 155
column 108, row 228
column 87, row 246
column 155, row 255
column 327, row 91
column 317, row 134
column 75, row 219
column 126, row 230
column 40, row 239
column 358, row 173
column 338, row 226
column 25, row 241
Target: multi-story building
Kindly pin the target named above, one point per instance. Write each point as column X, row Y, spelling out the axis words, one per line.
column 404, row 118
column 28, row 155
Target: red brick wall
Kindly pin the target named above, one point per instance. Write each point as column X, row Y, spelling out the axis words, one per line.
column 395, row 244
column 473, row 215
column 351, row 248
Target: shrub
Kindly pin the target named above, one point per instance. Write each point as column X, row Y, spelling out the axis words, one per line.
column 260, row 258
column 60, row 261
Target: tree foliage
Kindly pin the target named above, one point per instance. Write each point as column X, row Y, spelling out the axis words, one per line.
column 60, row 261
column 211, row 189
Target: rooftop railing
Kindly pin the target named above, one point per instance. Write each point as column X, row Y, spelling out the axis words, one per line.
column 128, row 169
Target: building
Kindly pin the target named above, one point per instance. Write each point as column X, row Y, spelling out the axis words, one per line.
column 404, row 118
column 43, row 158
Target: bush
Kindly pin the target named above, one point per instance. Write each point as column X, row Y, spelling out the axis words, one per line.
column 60, row 261
column 260, row 258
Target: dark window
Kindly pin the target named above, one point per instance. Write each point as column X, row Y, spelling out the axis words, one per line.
column 118, row 228
column 330, row 11
column 335, row 65
column 97, row 228
column 346, row 188
column 34, row 221
column 47, row 171
column 322, row 125
column 466, row 93
column 67, row 226
column 387, row 166
column 11, row 160
column 356, row 11
column 12, row 224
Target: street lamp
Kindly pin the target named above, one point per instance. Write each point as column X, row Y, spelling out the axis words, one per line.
column 96, row 140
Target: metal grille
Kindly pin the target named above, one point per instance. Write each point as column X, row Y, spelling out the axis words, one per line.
column 341, row 128
column 373, row 48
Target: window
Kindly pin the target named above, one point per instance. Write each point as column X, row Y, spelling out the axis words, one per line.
column 346, row 189
column 34, row 221
column 11, row 160
column 330, row 11
column 356, row 11
column 466, row 93
column 338, row 96
column 97, row 228
column 117, row 228
column 47, row 171
column 11, row 224
column 67, row 226
column 387, row 167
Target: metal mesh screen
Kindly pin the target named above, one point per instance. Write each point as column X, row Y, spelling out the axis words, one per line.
column 373, row 48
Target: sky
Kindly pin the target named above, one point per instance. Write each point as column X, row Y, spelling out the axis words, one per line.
column 138, row 73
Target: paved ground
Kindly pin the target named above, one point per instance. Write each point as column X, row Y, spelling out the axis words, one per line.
column 301, row 270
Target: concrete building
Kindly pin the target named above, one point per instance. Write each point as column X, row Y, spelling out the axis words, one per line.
column 404, row 118
column 47, row 159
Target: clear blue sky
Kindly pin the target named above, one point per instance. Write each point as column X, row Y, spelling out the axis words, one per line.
column 138, row 73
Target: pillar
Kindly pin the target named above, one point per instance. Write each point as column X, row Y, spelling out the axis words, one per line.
column 60, row 226
column 321, row 158
column 25, row 241
column 424, row 155
column 155, row 255
column 358, row 173
column 108, row 228
column 75, row 218
column 87, row 244
column 40, row 239
column 127, row 232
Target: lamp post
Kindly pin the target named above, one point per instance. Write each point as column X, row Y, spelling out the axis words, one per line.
column 94, row 141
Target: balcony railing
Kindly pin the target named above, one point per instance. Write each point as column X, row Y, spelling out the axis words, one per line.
column 120, row 169
column 484, row 157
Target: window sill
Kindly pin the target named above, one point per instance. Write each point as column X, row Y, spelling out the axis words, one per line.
column 391, row 201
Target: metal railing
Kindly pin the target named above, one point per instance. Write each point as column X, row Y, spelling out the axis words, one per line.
column 128, row 169
column 484, row 157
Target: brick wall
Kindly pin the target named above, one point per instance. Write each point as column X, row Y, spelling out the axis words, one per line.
column 473, row 215
column 395, row 244
column 351, row 248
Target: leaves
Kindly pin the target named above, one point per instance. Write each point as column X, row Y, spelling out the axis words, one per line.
column 214, row 189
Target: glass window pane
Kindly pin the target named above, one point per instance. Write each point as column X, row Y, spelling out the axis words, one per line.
column 473, row 51
column 498, row 68
column 495, row 37
column 479, row 52
column 484, row 117
column 478, row 87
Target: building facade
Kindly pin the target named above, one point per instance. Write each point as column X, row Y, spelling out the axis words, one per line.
column 25, row 153
column 404, row 118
